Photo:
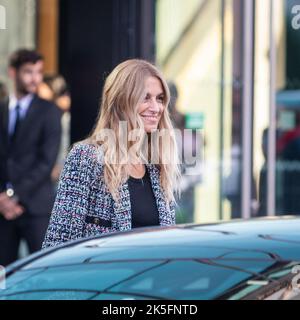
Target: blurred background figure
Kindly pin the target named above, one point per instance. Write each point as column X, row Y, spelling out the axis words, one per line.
column 288, row 154
column 177, row 117
column 287, row 183
column 55, row 89
column 186, row 202
column 29, row 143
column 263, row 188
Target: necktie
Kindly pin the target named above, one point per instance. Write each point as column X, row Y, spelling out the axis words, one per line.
column 17, row 123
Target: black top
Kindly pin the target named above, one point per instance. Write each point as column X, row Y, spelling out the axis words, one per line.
column 143, row 205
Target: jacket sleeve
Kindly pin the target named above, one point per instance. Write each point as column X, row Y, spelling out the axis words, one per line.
column 72, row 199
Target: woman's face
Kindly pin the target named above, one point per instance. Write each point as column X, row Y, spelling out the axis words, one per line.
column 151, row 108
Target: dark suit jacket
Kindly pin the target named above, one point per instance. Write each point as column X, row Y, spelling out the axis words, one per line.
column 28, row 163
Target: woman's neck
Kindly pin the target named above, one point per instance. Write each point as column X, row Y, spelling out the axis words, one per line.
column 136, row 170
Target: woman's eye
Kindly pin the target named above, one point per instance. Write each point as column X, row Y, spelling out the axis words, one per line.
column 160, row 99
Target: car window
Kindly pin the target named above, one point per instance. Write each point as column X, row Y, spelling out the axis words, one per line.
column 92, row 276
column 50, row 295
column 20, row 276
column 170, row 279
column 183, row 280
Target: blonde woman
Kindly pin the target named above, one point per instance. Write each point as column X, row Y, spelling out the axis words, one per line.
column 124, row 175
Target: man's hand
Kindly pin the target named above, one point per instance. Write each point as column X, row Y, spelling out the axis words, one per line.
column 9, row 208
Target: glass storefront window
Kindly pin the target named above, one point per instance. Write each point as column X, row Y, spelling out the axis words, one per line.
column 287, row 105
column 201, row 47
column 194, row 50
column 288, row 111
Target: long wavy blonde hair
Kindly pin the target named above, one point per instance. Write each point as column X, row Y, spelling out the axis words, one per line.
column 123, row 91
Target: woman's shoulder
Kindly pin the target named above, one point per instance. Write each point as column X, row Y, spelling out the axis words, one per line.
column 86, row 153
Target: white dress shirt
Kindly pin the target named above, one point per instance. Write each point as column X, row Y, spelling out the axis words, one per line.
column 24, row 104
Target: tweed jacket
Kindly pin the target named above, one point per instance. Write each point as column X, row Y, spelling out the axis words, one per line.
column 84, row 207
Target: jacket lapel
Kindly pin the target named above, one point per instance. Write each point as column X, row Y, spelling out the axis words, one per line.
column 163, row 211
column 122, row 209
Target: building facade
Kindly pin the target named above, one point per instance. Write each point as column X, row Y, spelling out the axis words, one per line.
column 235, row 66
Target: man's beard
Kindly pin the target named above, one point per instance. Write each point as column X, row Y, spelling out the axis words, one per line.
column 22, row 88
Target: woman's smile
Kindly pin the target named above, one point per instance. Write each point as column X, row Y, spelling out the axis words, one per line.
column 149, row 118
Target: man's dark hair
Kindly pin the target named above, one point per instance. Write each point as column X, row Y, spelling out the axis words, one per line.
column 22, row 56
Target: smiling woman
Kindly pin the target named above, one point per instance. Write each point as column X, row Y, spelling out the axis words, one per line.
column 110, row 185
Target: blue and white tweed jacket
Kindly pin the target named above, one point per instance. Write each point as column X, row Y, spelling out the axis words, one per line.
column 84, row 207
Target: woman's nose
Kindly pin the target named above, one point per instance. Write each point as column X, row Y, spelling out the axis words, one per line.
column 154, row 106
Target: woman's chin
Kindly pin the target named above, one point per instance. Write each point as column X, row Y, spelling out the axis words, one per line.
column 150, row 128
